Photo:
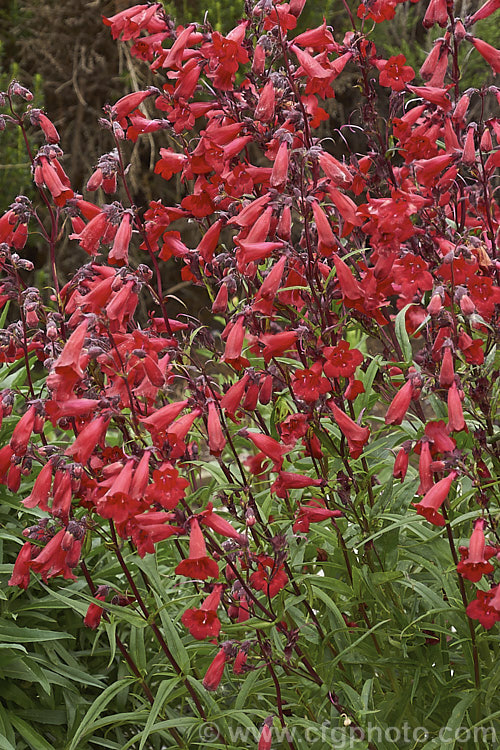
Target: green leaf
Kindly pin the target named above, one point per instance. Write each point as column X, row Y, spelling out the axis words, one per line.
column 174, row 642
column 86, row 725
column 402, row 333
column 162, row 694
column 449, row 738
column 10, row 633
column 32, row 736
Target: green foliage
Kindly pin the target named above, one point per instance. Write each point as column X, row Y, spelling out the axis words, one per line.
column 15, row 176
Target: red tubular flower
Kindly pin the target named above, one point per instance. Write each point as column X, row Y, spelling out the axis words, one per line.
column 424, row 468
column 266, row 389
column 436, row 12
column 348, row 284
column 146, row 529
column 401, row 464
column 90, row 237
column 117, row 502
column 313, row 512
column 279, row 174
column 241, row 659
column 219, row 524
column 309, row 384
column 21, row 571
column 400, row 404
column 326, row 238
column 474, row 563
column 180, row 428
column 293, row 428
column 141, row 477
column 41, row 489
column 163, row 418
column 356, row 436
column 456, row 421
column 269, row 446
column 53, row 559
column 22, row 432
column 447, row 373
column 198, row 564
column 265, row 296
column 216, row 439
column 214, row 673
column 276, row 344
column 52, row 179
column 434, row 498
column 288, row 480
column 268, row 577
column 128, row 103
column 6, row 454
column 489, row 7
column 489, row 53
column 203, row 622
column 336, row 172
column 266, row 735
column 61, row 502
column 234, row 344
column 220, row 302
column 469, row 153
column 395, row 74
column 231, row 400
column 49, row 129
column 264, row 110
column 342, row 361
column 118, row 255
column 486, row 608
column 208, row 244
column 167, row 488
column 94, row 612
column 88, row 438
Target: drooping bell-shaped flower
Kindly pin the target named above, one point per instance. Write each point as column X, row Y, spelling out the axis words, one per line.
column 433, row 500
column 474, row 563
column 203, row 622
column 198, row 565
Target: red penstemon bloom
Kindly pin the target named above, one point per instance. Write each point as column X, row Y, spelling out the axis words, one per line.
column 214, row 673
column 486, row 607
column 356, row 436
column 474, row 558
column 342, row 361
column 203, row 622
column 309, row 384
column 314, row 512
column 21, row 572
column 394, row 73
column 269, row 577
column 434, row 498
column 198, row 564
column 94, row 612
